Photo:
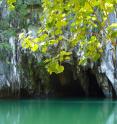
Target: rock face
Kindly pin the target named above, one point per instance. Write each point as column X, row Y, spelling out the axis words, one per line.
column 22, row 76
column 109, row 60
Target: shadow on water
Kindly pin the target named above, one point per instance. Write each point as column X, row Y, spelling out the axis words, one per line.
column 58, row 112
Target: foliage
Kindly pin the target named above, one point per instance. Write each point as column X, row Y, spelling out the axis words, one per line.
column 69, row 23
column 10, row 3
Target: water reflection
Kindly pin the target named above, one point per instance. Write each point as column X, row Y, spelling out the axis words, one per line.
column 58, row 112
column 112, row 119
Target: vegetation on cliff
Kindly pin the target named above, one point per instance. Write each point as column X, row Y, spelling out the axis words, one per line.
column 65, row 24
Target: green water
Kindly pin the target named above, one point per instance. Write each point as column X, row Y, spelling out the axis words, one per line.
column 58, row 112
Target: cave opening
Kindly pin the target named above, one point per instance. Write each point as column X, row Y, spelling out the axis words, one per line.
column 94, row 88
column 66, row 86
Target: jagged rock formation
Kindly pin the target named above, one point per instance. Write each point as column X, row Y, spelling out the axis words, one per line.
column 22, row 76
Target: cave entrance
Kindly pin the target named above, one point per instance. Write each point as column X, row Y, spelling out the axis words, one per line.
column 64, row 84
column 86, row 85
column 94, row 89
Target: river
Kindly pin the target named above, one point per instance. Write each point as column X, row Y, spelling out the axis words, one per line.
column 67, row 111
